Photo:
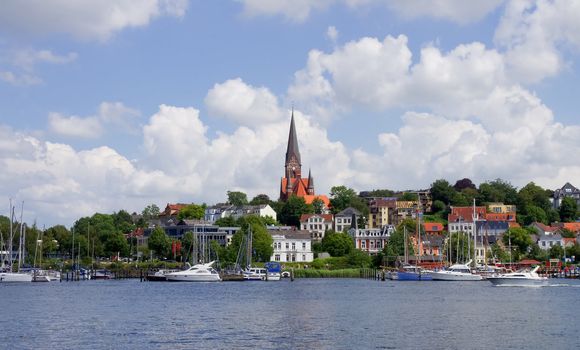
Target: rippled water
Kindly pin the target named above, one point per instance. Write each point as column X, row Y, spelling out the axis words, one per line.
column 304, row 314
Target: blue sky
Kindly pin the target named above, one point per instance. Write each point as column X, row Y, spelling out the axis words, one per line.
column 111, row 105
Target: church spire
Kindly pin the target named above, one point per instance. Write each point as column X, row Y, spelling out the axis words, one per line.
column 292, row 149
column 310, row 182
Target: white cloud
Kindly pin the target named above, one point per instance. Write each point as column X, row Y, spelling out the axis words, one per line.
column 459, row 11
column 532, row 34
column 332, row 34
column 17, row 79
column 242, row 103
column 110, row 114
column 26, row 59
column 84, row 20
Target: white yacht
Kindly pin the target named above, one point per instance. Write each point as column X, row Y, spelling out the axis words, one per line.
column 457, row 272
column 519, row 278
column 255, row 274
column 14, row 277
column 196, row 273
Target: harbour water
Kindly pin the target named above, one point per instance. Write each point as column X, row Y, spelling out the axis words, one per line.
column 304, row 314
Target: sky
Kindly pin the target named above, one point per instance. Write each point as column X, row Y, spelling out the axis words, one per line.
column 117, row 104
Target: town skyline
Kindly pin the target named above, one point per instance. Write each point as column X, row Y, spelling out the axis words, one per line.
column 99, row 116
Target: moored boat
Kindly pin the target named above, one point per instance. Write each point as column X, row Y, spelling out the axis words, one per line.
column 519, row 278
column 8, row 277
column 456, row 272
column 196, row 273
column 410, row 273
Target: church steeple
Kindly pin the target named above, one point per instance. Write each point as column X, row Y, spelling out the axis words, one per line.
column 310, row 183
column 293, row 162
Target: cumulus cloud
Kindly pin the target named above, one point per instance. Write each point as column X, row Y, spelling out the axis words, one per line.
column 23, row 61
column 458, row 11
column 92, row 127
column 532, row 34
column 93, row 20
column 332, row 34
column 242, row 103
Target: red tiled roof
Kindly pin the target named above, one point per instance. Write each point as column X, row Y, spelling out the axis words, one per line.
column 572, row 226
column 546, row 228
column 500, row 216
column 309, row 198
column 326, row 217
column 465, row 213
column 433, row 226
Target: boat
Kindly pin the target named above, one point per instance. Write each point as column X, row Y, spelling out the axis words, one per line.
column 6, row 274
column 101, row 275
column 519, row 278
column 159, row 275
column 6, row 277
column 410, row 273
column 456, row 272
column 196, row 273
column 274, row 270
column 255, row 274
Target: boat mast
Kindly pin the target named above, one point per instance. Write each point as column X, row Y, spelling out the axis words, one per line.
column 72, row 253
column 418, row 234
column 11, row 235
column 20, row 248
column 474, row 235
column 406, row 257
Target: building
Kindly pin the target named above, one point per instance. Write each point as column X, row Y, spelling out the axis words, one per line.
column 566, row 191
column 433, row 228
column 316, row 224
column 500, row 208
column 403, row 210
column 343, row 220
column 291, row 246
column 293, row 184
column 172, row 209
column 547, row 236
column 379, row 212
column 202, row 230
column 213, row 213
column 371, row 240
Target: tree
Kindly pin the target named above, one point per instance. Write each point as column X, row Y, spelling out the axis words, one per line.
column 293, row 209
column 192, row 211
column 116, row 243
column 532, row 194
column 260, row 199
column 395, row 247
column 462, row 184
column 441, row 190
column 498, row 190
column 318, row 205
column 460, row 246
column 159, row 242
column 357, row 258
column 409, row 196
column 520, row 241
column 150, row 212
column 337, row 243
column 237, row 198
column 568, row 209
column 534, row 214
column 123, row 221
column 438, row 207
column 228, row 221
column 340, row 197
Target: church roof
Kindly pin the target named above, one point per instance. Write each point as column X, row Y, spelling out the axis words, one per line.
column 292, row 149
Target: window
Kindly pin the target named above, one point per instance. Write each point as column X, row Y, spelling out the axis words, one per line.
column 293, row 246
column 293, row 257
column 303, row 257
column 287, row 245
column 277, row 257
column 363, row 244
column 303, row 245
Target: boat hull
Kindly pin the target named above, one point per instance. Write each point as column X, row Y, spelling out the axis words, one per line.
column 454, row 276
column 10, row 277
column 192, row 278
column 411, row 276
column 523, row 282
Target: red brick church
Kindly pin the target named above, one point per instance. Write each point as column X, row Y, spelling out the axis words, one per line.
column 293, row 183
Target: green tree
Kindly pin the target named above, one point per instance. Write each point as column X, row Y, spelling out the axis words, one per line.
column 228, row 221
column 123, row 221
column 237, row 198
column 498, row 191
column 262, row 241
column 460, row 246
column 533, row 195
column 553, row 215
column 409, row 196
column 438, row 207
column 337, row 243
column 556, row 252
column 150, row 212
column 260, row 199
column 534, row 214
column 116, row 243
column 520, row 241
column 442, row 190
column 462, row 184
column 159, row 242
column 568, row 209
column 395, row 247
column 192, row 211
column 318, row 205
column 293, row 209
column 357, row 258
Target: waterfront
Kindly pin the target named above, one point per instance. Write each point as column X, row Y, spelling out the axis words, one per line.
column 304, row 314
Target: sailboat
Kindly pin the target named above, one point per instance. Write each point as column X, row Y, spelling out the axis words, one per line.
column 6, row 274
column 409, row 272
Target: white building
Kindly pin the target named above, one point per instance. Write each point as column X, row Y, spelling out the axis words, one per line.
column 343, row 219
column 222, row 211
column 371, row 240
column 291, row 246
column 316, row 224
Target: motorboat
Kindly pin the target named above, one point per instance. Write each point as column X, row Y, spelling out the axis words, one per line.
column 196, row 273
column 255, row 274
column 159, row 275
column 519, row 278
column 410, row 273
column 101, row 275
column 6, row 277
column 456, row 272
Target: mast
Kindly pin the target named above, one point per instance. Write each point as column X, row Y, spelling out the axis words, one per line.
column 11, row 235
column 406, row 257
column 474, row 235
column 72, row 253
column 20, row 248
column 419, row 234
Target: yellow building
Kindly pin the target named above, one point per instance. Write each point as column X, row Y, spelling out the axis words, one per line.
column 500, row 208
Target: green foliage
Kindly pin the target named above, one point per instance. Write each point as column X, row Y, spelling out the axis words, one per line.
column 409, row 196
column 568, row 209
column 293, row 209
column 116, row 243
column 567, row 233
column 337, row 244
column 535, row 252
column 192, row 211
column 159, row 242
column 262, row 242
column 357, row 258
column 556, row 252
column 499, row 254
column 438, row 206
column 342, row 197
column 260, row 199
column 315, row 273
column 395, row 247
column 150, row 212
column 534, row 214
column 498, row 191
column 237, row 198
column 318, row 205
column 123, row 221
column 462, row 184
column 379, row 193
column 553, row 215
column 228, row 221
column 441, row 190
column 461, row 247
column 520, row 239
column 533, row 195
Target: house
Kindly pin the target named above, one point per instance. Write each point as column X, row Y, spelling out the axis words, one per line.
column 379, row 211
column 316, row 224
column 570, row 226
column 403, row 210
column 172, row 209
column 343, row 219
column 546, row 242
column 500, row 208
column 291, row 246
column 544, row 230
column 432, row 246
column 566, row 191
column 433, row 228
column 213, row 213
column 202, row 230
column 371, row 240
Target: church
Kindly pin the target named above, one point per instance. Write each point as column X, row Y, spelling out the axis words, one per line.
column 293, row 183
